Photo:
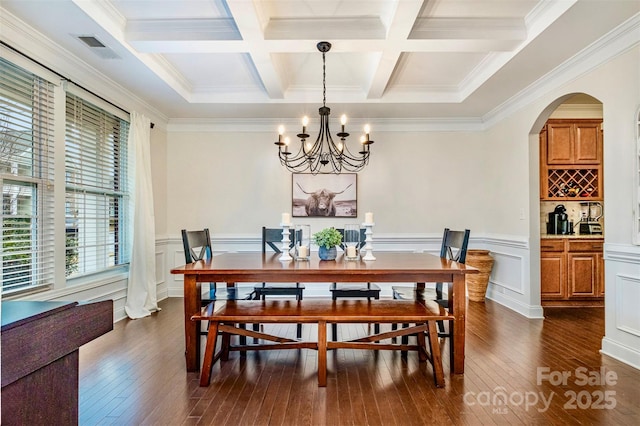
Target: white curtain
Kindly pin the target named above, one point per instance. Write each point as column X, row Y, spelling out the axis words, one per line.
column 141, row 292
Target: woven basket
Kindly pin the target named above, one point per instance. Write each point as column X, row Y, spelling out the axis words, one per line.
column 477, row 283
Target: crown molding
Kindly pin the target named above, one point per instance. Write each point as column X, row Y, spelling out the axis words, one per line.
column 26, row 39
column 613, row 44
column 268, row 125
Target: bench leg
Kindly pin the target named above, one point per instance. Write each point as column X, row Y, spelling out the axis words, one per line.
column 422, row 346
column 334, row 331
column 226, row 342
column 209, row 352
column 322, row 353
column 436, row 356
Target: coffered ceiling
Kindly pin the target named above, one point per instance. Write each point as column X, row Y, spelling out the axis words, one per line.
column 442, row 59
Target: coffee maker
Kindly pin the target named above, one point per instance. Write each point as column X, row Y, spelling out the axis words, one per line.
column 558, row 223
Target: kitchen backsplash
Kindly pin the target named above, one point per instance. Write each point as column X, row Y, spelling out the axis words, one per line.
column 574, row 210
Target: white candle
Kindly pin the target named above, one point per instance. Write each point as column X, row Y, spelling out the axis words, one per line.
column 351, row 251
column 368, row 217
column 303, row 251
column 286, row 218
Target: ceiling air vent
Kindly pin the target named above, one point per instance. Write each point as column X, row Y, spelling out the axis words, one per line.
column 97, row 47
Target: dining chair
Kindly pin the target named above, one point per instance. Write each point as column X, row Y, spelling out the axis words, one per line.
column 353, row 290
column 454, row 247
column 197, row 246
column 271, row 237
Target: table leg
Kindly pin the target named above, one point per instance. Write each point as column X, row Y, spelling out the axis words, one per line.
column 322, row 353
column 457, row 300
column 191, row 336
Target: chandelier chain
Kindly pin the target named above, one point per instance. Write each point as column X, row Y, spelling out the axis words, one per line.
column 324, row 81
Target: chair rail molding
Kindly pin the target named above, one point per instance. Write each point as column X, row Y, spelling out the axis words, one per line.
column 507, row 284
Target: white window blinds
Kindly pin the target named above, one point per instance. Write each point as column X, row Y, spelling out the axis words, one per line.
column 97, row 189
column 26, row 177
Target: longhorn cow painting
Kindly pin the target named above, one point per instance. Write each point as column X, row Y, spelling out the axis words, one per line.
column 324, row 195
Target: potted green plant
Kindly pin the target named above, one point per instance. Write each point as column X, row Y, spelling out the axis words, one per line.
column 327, row 240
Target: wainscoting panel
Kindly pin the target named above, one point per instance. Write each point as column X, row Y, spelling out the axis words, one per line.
column 508, row 271
column 622, row 303
column 627, row 300
column 162, row 291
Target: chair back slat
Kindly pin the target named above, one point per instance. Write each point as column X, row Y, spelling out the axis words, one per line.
column 454, row 245
column 197, row 245
column 361, row 240
column 271, row 237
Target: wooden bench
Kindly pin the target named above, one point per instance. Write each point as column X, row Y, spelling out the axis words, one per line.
column 224, row 315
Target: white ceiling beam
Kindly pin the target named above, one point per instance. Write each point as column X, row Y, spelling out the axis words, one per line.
column 329, row 28
column 181, row 29
column 539, row 19
column 469, row 28
column 309, row 46
column 111, row 20
column 248, row 22
column 400, row 26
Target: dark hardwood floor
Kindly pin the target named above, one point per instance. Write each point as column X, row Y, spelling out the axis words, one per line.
column 513, row 375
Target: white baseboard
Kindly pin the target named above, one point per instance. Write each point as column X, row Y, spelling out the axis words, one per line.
column 529, row 311
column 622, row 353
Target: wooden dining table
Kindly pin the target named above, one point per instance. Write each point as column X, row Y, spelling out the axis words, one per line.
column 390, row 267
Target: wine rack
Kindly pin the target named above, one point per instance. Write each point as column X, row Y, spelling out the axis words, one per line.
column 573, row 183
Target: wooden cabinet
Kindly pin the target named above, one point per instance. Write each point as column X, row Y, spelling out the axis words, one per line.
column 571, row 160
column 553, row 269
column 553, row 275
column 571, row 272
column 574, row 142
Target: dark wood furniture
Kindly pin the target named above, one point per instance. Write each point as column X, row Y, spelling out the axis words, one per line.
column 389, row 267
column 321, row 312
column 270, row 238
column 454, row 247
column 353, row 290
column 571, row 272
column 40, row 342
column 197, row 246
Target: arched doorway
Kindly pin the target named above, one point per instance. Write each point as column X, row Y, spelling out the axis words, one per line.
column 567, row 240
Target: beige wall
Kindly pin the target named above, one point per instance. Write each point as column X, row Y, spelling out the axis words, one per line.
column 159, row 164
column 234, row 184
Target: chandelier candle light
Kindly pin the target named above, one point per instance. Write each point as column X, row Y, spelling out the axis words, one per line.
column 324, row 152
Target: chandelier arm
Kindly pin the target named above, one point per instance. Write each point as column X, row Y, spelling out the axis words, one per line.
column 324, row 151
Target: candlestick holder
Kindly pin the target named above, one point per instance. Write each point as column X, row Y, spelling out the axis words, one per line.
column 286, row 243
column 301, row 242
column 368, row 241
column 351, row 241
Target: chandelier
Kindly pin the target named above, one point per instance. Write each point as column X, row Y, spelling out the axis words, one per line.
column 323, row 156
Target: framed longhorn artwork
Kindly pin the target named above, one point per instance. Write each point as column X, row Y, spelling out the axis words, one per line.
column 324, row 195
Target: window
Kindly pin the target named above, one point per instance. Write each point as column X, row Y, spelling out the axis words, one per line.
column 96, row 203
column 26, row 177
